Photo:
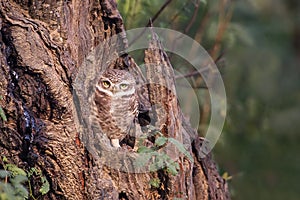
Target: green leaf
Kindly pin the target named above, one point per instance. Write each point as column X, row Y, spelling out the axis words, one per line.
column 161, row 141
column 181, row 148
column 4, row 173
column 172, row 169
column 143, row 149
column 31, row 172
column 3, row 196
column 15, row 170
column 21, row 191
column 142, row 160
column 45, row 187
column 159, row 162
column 18, row 179
column 2, row 114
column 4, row 159
column 7, row 190
column 154, row 167
column 155, row 182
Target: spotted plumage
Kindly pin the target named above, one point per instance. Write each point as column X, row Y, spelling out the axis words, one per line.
column 116, row 104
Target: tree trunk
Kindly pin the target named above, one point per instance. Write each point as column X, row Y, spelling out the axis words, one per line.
column 43, row 46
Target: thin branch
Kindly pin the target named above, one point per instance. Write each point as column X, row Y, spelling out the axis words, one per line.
column 201, row 28
column 151, row 21
column 192, row 21
column 193, row 17
column 178, row 13
column 224, row 19
column 202, row 86
column 198, row 72
column 193, row 73
column 159, row 12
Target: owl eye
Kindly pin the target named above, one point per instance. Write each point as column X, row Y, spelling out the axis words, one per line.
column 123, row 86
column 106, row 84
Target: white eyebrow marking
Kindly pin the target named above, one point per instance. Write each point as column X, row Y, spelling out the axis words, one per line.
column 104, row 91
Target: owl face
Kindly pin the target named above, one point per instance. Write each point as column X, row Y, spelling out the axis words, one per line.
column 116, row 83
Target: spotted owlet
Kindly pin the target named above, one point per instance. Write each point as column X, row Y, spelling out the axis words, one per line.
column 116, row 103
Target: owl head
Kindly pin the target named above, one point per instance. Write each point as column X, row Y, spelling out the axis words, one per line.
column 114, row 82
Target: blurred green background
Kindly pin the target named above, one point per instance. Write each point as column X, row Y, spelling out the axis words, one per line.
column 257, row 47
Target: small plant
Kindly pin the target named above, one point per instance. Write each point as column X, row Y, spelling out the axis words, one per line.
column 155, row 182
column 154, row 159
column 13, row 180
column 45, row 184
column 12, row 187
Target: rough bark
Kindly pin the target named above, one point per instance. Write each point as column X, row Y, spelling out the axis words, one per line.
column 42, row 47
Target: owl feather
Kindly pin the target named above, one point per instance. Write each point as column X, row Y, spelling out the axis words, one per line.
column 116, row 104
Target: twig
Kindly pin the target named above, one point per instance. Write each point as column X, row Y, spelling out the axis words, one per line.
column 159, row 12
column 151, row 20
column 224, row 19
column 202, row 86
column 178, row 13
column 193, row 17
column 198, row 72
column 203, row 24
column 190, row 24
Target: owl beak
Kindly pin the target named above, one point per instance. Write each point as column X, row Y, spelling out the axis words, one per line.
column 114, row 90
